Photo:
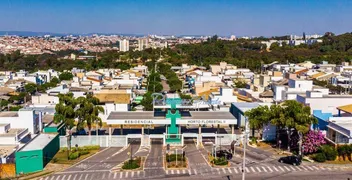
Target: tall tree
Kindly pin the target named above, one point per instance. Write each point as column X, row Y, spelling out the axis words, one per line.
column 258, row 118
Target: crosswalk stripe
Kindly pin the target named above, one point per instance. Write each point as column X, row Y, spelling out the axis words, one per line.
column 229, row 170
column 74, row 177
column 189, row 172
column 264, row 169
column 246, row 169
column 184, row 171
column 304, row 168
column 132, row 174
column 195, row 171
column 269, row 169
column 235, row 170
column 299, row 168
column 115, row 175
column 103, row 176
column 275, row 169
column 167, row 171
column 138, row 173
column 292, row 168
column 258, row 169
column 63, row 177
column 219, row 171
column 322, row 168
column 80, row 177
column 69, row 177
column 126, row 175
column 178, row 171
column 86, row 177
column 281, row 168
column 287, row 168
column 52, row 177
column 223, row 169
column 310, row 168
column 252, row 169
column 172, row 171
column 58, row 177
column 121, row 173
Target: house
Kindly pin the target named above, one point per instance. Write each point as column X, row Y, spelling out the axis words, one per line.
column 339, row 130
column 225, row 96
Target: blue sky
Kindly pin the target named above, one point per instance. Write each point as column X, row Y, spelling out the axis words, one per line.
column 178, row 17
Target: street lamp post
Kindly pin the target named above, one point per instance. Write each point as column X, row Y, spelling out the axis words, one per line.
column 244, row 149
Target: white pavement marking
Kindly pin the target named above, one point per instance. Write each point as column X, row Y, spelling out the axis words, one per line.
column 167, row 172
column 299, row 169
column 252, row 169
column 281, row 168
column 172, row 171
column 292, row 168
column 223, row 169
column 58, row 177
column 304, row 168
column 63, row 177
column 287, row 168
column 126, row 175
column 264, row 169
column 132, row 174
column 115, row 175
column 121, row 173
column 219, row 171
column 269, row 169
column 275, row 169
column 189, row 172
column 235, row 170
column 258, row 169
column 103, row 176
column 74, row 177
column 315, row 167
column 247, row 170
column 138, row 173
column 229, row 170
column 69, row 177
column 178, row 171
column 86, row 177
column 322, row 168
column 195, row 171
column 310, row 168
column 184, row 171
column 52, row 178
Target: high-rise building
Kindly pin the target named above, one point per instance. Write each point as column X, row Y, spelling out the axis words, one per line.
column 143, row 44
column 124, row 45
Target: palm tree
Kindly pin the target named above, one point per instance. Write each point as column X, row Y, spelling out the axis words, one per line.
column 65, row 113
column 88, row 111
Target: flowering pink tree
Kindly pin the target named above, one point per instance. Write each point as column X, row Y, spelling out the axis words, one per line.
column 312, row 141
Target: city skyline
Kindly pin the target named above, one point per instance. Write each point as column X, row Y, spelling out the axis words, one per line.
column 241, row 18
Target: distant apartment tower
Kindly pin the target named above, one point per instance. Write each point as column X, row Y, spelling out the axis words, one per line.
column 124, row 45
column 143, row 44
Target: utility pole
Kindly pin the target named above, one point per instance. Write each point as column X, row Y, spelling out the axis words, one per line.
column 244, row 149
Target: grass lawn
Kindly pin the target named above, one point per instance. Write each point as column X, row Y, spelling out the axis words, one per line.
column 81, row 153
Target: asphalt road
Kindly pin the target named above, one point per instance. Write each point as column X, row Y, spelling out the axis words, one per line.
column 153, row 166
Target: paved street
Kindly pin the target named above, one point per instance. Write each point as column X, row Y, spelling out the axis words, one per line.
column 154, row 162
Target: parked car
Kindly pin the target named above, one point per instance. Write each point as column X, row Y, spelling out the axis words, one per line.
column 294, row 160
column 224, row 153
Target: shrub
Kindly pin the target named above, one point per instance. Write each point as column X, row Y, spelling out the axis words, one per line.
column 73, row 156
column 220, row 161
column 172, row 157
column 329, row 152
column 320, row 157
column 312, row 141
column 83, row 152
column 253, row 140
column 87, row 148
column 131, row 164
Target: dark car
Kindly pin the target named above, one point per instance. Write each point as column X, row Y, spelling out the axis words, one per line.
column 224, row 153
column 294, row 160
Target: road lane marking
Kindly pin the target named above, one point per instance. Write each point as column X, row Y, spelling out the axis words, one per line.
column 281, row 168
column 172, row 171
column 269, row 169
column 138, row 173
column 80, row 177
column 235, row 170
column 103, row 176
column 299, row 169
column 121, row 173
column 304, row 168
column 58, row 177
column 74, row 177
column 246, row 169
column 86, row 177
column 275, row 169
column 189, row 172
column 252, row 169
column 219, row 171
column 195, row 171
column 132, row 174
column 184, row 171
column 167, row 171
column 69, row 177
column 292, row 168
column 315, row 167
column 223, row 169
column 264, row 169
column 178, row 171
column 229, row 170
column 258, row 169
column 310, row 168
column 126, row 175
column 115, row 175
column 322, row 168
column 287, row 168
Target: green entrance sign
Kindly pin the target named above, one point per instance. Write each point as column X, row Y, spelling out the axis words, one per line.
column 173, row 114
